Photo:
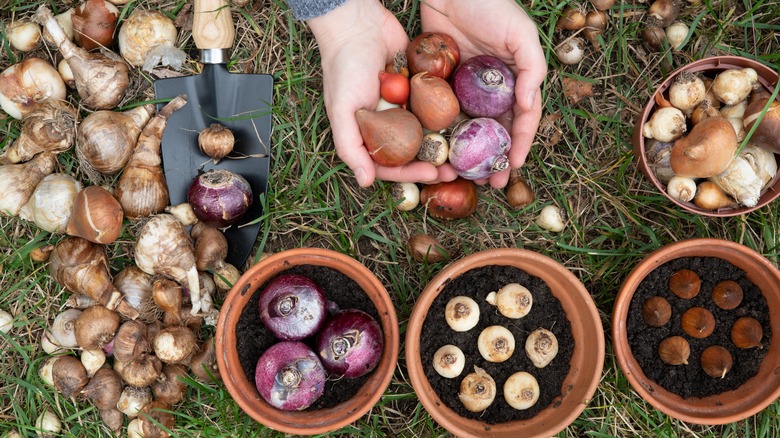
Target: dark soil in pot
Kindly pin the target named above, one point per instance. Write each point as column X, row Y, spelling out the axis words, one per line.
column 690, row 380
column 254, row 339
column 546, row 312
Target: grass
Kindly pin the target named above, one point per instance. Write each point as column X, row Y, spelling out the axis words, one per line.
column 614, row 215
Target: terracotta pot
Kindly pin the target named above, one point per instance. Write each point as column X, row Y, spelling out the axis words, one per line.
column 586, row 362
column 730, row 406
column 766, row 77
column 244, row 391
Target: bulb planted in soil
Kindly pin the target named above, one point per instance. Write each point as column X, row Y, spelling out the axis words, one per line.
column 727, row 294
column 747, row 333
column 698, row 322
column 656, row 311
column 716, row 361
column 674, row 350
column 685, row 284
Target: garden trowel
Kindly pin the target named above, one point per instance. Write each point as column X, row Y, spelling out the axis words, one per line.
column 240, row 102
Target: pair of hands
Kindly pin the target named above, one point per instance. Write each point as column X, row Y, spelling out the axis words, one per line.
column 357, row 39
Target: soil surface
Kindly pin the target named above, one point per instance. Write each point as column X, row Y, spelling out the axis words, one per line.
column 254, row 339
column 690, row 380
column 546, row 312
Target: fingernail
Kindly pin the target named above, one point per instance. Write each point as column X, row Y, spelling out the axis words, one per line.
column 530, row 98
column 360, row 176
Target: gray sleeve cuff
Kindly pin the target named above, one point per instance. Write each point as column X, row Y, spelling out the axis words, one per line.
column 306, row 9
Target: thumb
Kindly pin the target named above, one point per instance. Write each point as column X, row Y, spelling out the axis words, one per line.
column 349, row 147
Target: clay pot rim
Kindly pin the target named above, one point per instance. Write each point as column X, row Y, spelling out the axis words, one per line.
column 708, row 410
column 767, row 78
column 591, row 358
column 244, row 392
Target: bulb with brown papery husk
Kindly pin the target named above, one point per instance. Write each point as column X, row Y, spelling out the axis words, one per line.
column 96, row 216
column 216, row 141
column 19, row 181
column 48, row 127
column 142, row 190
column 716, row 361
column 114, row 419
column 167, row 295
column 174, row 344
column 82, row 267
column 170, row 387
column 157, row 414
column 106, row 139
column 710, row 197
column 656, row 311
column 747, row 333
column 141, row 371
column 204, row 362
column 211, row 246
column 698, row 322
column 767, row 133
column 706, row 151
column 69, row 376
column 662, row 13
column 104, row 389
column 226, row 276
column 25, row 84
column 164, row 247
column 96, row 327
column 425, row 248
column 102, row 78
column 136, row 286
column 674, row 350
column 131, row 341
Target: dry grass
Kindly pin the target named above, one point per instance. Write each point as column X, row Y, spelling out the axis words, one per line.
column 614, row 216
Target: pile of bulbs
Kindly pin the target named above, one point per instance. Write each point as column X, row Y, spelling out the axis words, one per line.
column 124, row 341
column 575, row 20
column 496, row 344
column 692, row 139
column 699, row 323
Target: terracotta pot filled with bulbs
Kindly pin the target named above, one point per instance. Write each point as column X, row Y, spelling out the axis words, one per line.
column 708, row 138
column 693, row 330
column 513, row 344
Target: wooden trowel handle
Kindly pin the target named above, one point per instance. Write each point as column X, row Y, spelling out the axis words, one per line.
column 212, row 25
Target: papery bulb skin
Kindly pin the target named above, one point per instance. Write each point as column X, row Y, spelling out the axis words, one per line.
column 478, row 148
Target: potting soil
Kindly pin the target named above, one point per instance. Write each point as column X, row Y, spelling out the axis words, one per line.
column 546, row 312
column 690, row 380
column 254, row 339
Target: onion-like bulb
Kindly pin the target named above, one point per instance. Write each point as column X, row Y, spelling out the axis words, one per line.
column 541, row 346
column 170, row 387
column 49, row 126
column 51, row 203
column 513, row 300
column 82, row 267
column 48, row 424
column 147, row 36
column 102, row 78
column 131, row 341
column 94, row 22
column 141, row 371
column 167, row 295
column 25, row 84
column 62, row 328
column 477, row 390
column 211, row 246
column 461, row 313
column 157, row 416
column 216, row 141
column 449, row 361
column 96, row 216
column 136, row 286
column 69, row 376
column 106, row 139
column 496, row 343
column 104, row 389
column 521, row 390
column 92, row 360
column 96, row 327
column 19, row 181
column 141, row 190
column 204, row 362
column 174, row 344
column 164, row 248
column 23, row 35
column 133, row 399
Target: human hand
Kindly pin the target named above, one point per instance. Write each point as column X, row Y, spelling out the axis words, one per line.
column 500, row 28
column 356, row 40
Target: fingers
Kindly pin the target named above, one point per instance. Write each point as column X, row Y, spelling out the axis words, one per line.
column 416, row 171
column 524, row 128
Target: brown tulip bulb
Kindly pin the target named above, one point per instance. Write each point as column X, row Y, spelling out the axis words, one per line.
column 685, row 284
column 425, row 248
column 96, row 216
column 656, row 311
column 674, row 350
column 96, row 327
column 716, row 361
column 727, row 294
column 698, row 322
column 747, row 333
